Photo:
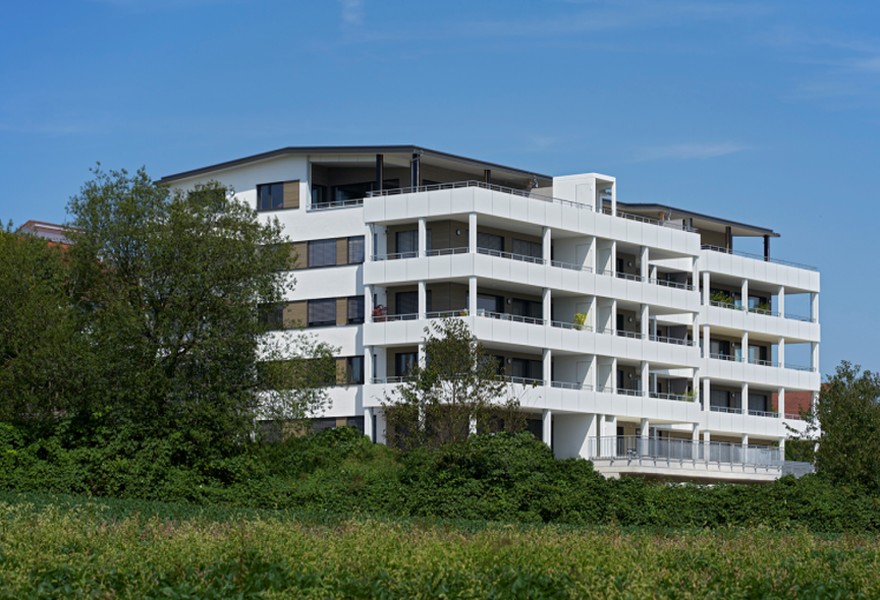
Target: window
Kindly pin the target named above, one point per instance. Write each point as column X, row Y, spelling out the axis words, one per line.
column 530, row 369
column 319, row 194
column 355, row 370
column 407, row 243
column 322, row 253
column 526, row 308
column 406, row 303
column 322, row 312
column 356, row 310
column 404, row 361
column 270, row 196
column 355, row 250
column 487, row 303
column 525, row 248
column 489, row 241
column 272, row 315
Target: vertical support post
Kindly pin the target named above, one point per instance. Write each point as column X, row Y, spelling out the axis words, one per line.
column 368, row 304
column 487, row 176
column 613, row 315
column 695, row 328
column 547, row 428
column 368, row 424
column 745, row 347
column 546, row 245
column 645, row 317
column 592, row 317
column 600, row 433
column 814, row 307
column 643, row 263
column 613, row 268
column 780, row 301
column 815, row 357
column 745, row 448
column 706, row 287
column 728, row 235
column 547, row 306
column 548, row 367
column 414, row 169
column 423, row 300
column 744, row 292
column 707, row 445
column 780, row 402
column 707, row 345
column 472, row 295
column 613, row 375
column 780, row 352
column 593, row 375
column 472, row 232
column 614, row 199
column 369, row 251
column 422, row 355
column 645, row 375
column 766, row 248
column 423, row 237
column 695, row 273
column 380, row 171
column 744, row 398
column 707, row 394
column 645, row 427
column 695, row 441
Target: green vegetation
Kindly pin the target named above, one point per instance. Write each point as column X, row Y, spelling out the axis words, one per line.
column 69, row 548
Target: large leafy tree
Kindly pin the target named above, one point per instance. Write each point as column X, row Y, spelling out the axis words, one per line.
column 458, row 388
column 171, row 283
column 45, row 362
column 846, row 424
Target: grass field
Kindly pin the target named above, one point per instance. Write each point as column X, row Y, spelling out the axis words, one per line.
column 68, row 547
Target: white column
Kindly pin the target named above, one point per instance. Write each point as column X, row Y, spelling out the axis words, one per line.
column 614, row 375
column 645, row 377
column 780, row 352
column 368, row 364
column 368, row 304
column 645, row 427
column 548, row 366
column 780, row 402
column 379, row 433
column 745, row 294
column 695, row 328
column 423, row 300
column 653, row 272
column 745, row 447
column 422, row 355
column 369, row 251
column 745, row 347
column 780, row 301
column 815, row 356
column 613, row 268
column 645, row 317
column 592, row 256
column 546, row 245
column 614, row 315
column 593, row 377
column 707, row 346
column 592, row 317
column 472, row 232
column 472, row 295
column 744, row 401
column 423, row 237
column 695, row 273
column 707, row 394
column 814, row 307
column 547, row 427
column 547, row 306
column 643, row 259
column 706, row 288
column 368, row 423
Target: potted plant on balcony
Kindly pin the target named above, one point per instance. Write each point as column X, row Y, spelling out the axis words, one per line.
column 580, row 320
column 379, row 313
column 690, row 396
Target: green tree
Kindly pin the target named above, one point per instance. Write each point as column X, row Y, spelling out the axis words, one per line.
column 458, row 387
column 846, row 423
column 170, row 283
column 45, row 362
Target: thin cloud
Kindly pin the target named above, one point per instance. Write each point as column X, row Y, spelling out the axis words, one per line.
column 692, row 151
column 352, row 11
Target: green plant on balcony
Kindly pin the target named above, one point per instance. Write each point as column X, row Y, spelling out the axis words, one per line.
column 764, row 306
column 721, row 298
column 690, row 396
column 580, row 320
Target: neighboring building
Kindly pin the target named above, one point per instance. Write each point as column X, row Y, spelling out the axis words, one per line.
column 49, row 231
column 681, row 359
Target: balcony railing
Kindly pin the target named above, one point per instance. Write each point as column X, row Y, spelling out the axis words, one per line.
column 446, row 314
column 758, row 257
column 336, row 204
column 566, row 385
column 570, row 266
column 726, row 410
column 641, row 219
column 676, row 397
column 626, row 392
column 454, row 185
column 760, row 311
column 727, row 357
column 446, row 251
column 800, row 368
column 673, row 341
column 573, row 326
column 639, row 449
column 511, row 256
column 763, row 363
column 628, row 276
column 510, row 317
column 672, row 284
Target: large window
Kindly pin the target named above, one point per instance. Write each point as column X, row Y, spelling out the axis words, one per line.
column 530, row 369
column 407, row 243
column 525, row 248
column 319, row 194
column 272, row 315
column 403, row 362
column 270, row 196
column 355, row 250
column 322, row 253
column 322, row 312
column 526, row 308
column 355, row 370
column 489, row 241
column 356, row 310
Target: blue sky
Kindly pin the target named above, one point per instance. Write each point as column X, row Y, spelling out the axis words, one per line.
column 762, row 112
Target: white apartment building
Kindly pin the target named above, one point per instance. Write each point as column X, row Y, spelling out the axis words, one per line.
column 678, row 370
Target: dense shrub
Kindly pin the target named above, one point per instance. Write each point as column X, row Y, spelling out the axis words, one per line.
column 502, row 477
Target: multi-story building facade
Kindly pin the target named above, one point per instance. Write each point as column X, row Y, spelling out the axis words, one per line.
column 634, row 334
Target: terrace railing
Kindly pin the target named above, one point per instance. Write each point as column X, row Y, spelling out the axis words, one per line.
column 652, row 450
column 777, row 261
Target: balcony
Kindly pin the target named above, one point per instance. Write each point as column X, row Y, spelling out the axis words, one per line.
column 760, row 363
column 775, row 261
column 760, row 311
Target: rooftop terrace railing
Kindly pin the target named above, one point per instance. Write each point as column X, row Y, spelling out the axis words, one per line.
column 641, row 219
column 336, row 204
column 678, row 450
column 480, row 184
column 758, row 257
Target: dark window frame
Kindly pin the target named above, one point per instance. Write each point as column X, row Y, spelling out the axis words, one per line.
column 326, row 245
column 273, row 188
column 325, row 322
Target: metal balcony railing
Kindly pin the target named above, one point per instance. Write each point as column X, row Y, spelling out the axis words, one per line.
column 446, row 314
column 758, row 257
column 727, row 357
column 641, row 219
column 653, row 450
column 446, row 251
column 763, row 363
column 726, row 410
column 566, row 385
column 626, row 392
column 672, row 284
column 336, row 204
column 479, row 184
column 573, row 326
column 673, row 341
column 676, row 397
column 511, row 256
column 570, row 266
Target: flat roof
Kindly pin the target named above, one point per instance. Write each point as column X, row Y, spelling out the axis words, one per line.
column 740, row 229
column 300, row 150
